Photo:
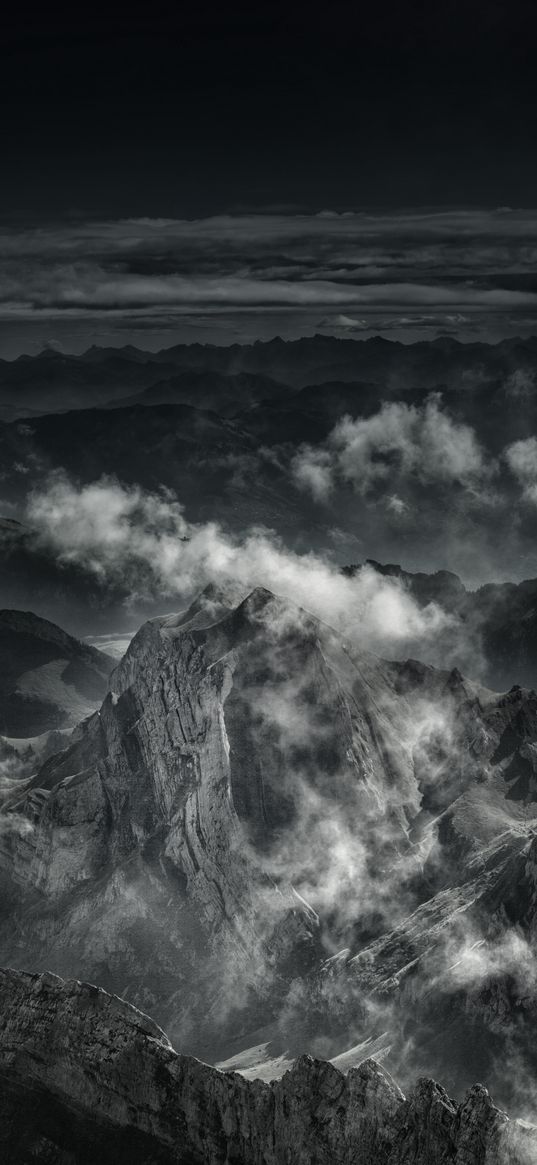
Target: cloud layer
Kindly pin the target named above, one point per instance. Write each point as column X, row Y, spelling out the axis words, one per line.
column 143, row 541
column 442, row 270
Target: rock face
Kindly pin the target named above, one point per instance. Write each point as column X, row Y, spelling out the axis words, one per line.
column 265, row 838
column 86, row 1077
column 48, row 680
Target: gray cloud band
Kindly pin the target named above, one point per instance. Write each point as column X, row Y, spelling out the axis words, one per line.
column 479, row 261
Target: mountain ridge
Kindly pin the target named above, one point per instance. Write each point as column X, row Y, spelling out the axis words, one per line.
column 199, row 843
column 503, row 615
column 87, row 1075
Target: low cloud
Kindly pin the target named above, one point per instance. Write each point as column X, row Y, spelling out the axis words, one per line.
column 143, row 543
column 425, row 269
column 397, row 506
column 520, row 384
column 342, row 323
column 399, row 442
column 447, row 322
column 521, row 458
column 313, row 472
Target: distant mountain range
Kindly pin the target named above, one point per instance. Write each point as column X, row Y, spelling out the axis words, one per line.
column 54, row 381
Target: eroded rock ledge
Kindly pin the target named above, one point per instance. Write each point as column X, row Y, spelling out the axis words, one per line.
column 87, row 1078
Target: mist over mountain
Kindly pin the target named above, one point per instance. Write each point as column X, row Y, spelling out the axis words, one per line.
column 294, row 817
column 306, row 838
column 419, row 453
column 268, row 584
column 53, row 379
column 500, row 615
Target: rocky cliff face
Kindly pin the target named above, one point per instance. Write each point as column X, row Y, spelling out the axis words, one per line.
column 86, row 1077
column 265, row 838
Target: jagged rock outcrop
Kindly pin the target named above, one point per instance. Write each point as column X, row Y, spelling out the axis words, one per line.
column 87, row 1077
column 253, row 796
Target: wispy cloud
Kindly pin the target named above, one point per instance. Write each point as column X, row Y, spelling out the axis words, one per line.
column 123, row 534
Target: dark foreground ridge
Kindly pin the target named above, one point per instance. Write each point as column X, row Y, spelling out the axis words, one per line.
column 85, row 1077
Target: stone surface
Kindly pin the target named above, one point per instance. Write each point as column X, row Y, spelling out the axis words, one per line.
column 86, row 1077
column 265, row 836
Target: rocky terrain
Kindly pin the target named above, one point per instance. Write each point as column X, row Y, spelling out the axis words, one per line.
column 275, row 843
column 86, row 1077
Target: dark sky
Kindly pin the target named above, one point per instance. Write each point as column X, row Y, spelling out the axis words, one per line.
column 117, row 131
column 193, row 108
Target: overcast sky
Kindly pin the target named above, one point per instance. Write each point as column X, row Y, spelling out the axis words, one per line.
column 469, row 273
column 251, row 119
column 174, row 109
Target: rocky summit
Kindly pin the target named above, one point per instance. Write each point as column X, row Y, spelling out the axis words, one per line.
column 87, row 1077
column 276, row 844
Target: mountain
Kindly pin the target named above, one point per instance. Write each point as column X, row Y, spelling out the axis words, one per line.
column 48, row 679
column 86, row 1077
column 33, row 578
column 503, row 615
column 319, row 358
column 224, row 394
column 227, row 430
column 54, row 381
column 194, row 452
column 276, row 843
column 190, row 450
